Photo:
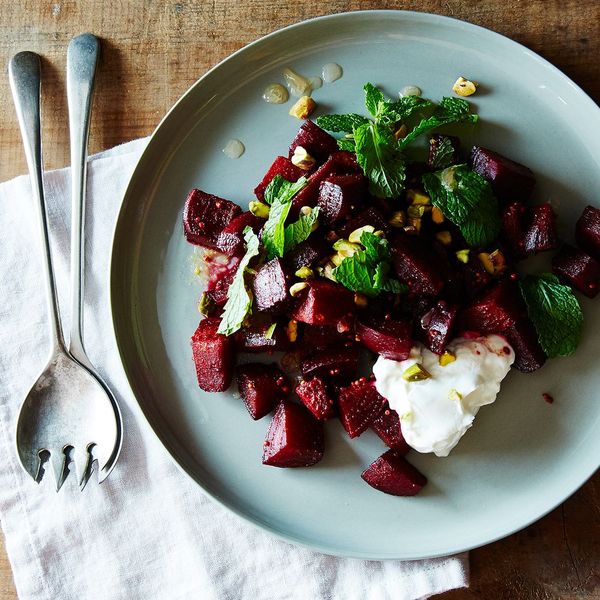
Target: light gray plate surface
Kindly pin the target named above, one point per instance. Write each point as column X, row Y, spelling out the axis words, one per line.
column 523, row 457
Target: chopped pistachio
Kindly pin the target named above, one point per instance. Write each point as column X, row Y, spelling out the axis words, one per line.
column 417, row 198
column 357, row 233
column 446, row 358
column 401, row 132
column 361, row 300
column 303, row 108
column 493, row 263
column 270, row 331
column 291, row 330
column 306, row 210
column 259, row 209
column 437, row 216
column 296, row 288
column 463, row 255
column 302, row 159
column 206, row 304
column 415, row 372
column 416, row 210
column 379, row 233
column 407, row 416
column 337, row 259
column 410, row 230
column 444, row 237
column 415, row 222
column 304, row 273
column 398, row 219
column 197, row 270
column 328, row 271
column 464, row 87
column 454, row 394
column 345, row 248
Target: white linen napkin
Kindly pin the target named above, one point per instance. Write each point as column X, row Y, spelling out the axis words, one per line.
column 148, row 532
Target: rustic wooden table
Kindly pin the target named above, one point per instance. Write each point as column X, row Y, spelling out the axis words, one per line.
column 153, row 51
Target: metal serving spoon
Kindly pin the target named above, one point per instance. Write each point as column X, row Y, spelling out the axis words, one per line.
column 69, row 413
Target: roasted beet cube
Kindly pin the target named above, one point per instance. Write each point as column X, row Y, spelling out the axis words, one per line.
column 346, row 161
column 331, row 363
column 387, row 427
column 510, row 180
column 205, row 216
column 307, row 253
column 323, row 302
column 316, row 141
column 324, row 336
column 308, row 196
column 587, row 231
column 270, row 287
column 392, row 474
column 437, row 325
column 359, row 405
column 450, row 158
column 314, row 395
column 262, row 387
column 281, row 166
column 578, row 269
column 370, row 216
column 417, row 265
column 514, row 225
column 388, row 337
column 255, row 337
column 474, row 276
column 339, row 195
column 213, row 355
column 541, row 234
column 523, row 338
column 231, row 239
column 294, row 439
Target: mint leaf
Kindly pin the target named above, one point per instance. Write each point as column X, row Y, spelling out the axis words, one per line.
column 443, row 153
column 450, row 110
column 466, row 199
column 298, row 231
column 347, row 143
column 280, row 197
column 239, row 301
column 366, row 271
column 555, row 312
column 341, row 123
column 379, row 156
column 374, row 99
column 402, row 109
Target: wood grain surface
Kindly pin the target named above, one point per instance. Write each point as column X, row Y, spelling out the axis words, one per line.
column 154, row 50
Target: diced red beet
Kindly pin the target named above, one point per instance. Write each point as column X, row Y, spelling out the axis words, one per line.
column 436, row 140
column 231, row 239
column 587, row 231
column 474, row 276
column 205, row 216
column 254, row 338
column 331, row 363
column 316, row 141
column 270, row 287
column 309, row 252
column 523, row 338
column 541, row 234
column 578, row 269
column 281, row 166
column 294, row 439
column 262, row 387
column 510, row 180
column 392, row 474
column 514, row 226
column 339, row 195
column 417, row 265
column 387, row 427
column 359, row 405
column 437, row 326
column 323, row 302
column 388, row 337
column 346, row 161
column 218, row 288
column 314, row 395
column 369, row 216
column 213, row 355
column 324, row 336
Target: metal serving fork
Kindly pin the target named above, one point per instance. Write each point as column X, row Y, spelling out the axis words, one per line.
column 69, row 413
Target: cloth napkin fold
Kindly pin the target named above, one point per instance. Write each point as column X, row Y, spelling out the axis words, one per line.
column 148, row 531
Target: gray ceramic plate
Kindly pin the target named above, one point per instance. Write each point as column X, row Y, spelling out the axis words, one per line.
column 523, row 457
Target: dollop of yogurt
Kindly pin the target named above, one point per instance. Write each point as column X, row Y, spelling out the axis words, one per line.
column 437, row 411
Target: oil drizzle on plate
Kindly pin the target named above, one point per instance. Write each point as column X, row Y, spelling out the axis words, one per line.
column 331, row 72
column 234, row 149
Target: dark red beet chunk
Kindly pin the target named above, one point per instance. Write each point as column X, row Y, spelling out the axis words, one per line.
column 307, row 253
column 578, row 269
column 393, row 474
column 388, row 337
column 270, row 287
column 281, row 166
column 323, row 303
column 587, row 231
column 254, row 339
column 437, row 326
column 331, row 363
column 213, row 355
column 231, row 239
column 369, row 216
column 315, row 397
column 262, row 387
column 317, row 142
column 514, row 226
column 339, row 195
column 474, row 276
column 205, row 216
column 523, row 338
column 346, row 161
column 510, row 180
column 324, row 336
column 295, row 438
column 541, row 234
column 387, row 427
column 417, row 265
column 435, row 142
column 359, row 405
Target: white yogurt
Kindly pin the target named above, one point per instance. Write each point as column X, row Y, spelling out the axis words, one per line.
column 331, row 72
column 436, row 412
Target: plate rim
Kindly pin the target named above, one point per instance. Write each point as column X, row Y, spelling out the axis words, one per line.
column 162, row 438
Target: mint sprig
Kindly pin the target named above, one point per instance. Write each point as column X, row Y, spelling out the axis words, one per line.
column 466, row 199
column 341, row 123
column 299, row 230
column 555, row 313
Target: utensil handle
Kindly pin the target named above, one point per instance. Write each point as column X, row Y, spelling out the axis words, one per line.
column 24, row 72
column 82, row 58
